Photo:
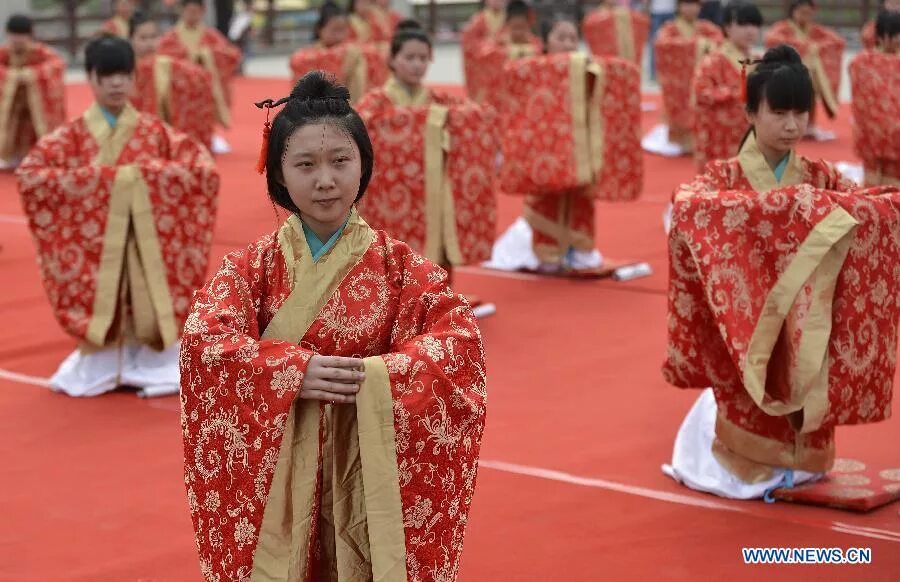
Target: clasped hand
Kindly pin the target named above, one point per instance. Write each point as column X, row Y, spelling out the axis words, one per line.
column 333, row 379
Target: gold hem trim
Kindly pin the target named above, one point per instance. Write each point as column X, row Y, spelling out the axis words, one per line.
column 381, row 476
column 435, row 176
column 625, row 34
column 578, row 97
column 754, row 448
column 162, row 77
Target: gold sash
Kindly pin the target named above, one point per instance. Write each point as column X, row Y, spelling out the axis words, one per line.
column 625, row 34
column 131, row 259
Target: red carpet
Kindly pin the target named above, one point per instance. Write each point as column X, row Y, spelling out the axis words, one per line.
column 92, row 489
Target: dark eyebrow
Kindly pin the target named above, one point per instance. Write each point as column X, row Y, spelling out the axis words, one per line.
column 337, row 150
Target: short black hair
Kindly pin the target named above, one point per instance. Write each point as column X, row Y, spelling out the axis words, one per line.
column 782, row 80
column 518, row 8
column 328, row 11
column 680, row 2
column 198, row 2
column 548, row 24
column 137, row 19
column 742, row 14
column 408, row 30
column 793, row 6
column 887, row 25
column 108, row 55
column 316, row 98
column 19, row 24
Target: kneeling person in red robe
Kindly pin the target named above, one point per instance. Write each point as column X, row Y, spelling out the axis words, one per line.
column 779, row 299
column 121, row 208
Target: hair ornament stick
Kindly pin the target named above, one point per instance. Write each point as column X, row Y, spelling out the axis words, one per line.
column 268, row 105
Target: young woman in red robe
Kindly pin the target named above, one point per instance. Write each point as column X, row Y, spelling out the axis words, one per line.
column 435, row 188
column 680, row 47
column 121, row 208
column 358, row 66
column 719, row 119
column 875, row 83
column 570, row 135
column 176, row 90
column 774, row 260
column 333, row 385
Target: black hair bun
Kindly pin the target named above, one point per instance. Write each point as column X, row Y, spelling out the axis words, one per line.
column 319, row 86
column 409, row 24
column 782, row 54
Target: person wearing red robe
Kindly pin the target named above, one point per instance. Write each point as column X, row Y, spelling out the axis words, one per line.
column 680, row 46
column 486, row 26
column 177, row 91
column 518, row 41
column 720, row 121
column 613, row 30
column 358, row 66
column 867, row 34
column 121, row 208
column 118, row 25
column 780, row 278
column 822, row 50
column 875, row 84
column 569, row 129
column 192, row 40
column 333, row 385
column 368, row 23
column 32, row 91
column 435, row 186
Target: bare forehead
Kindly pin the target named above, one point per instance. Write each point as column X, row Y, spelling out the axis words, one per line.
column 320, row 137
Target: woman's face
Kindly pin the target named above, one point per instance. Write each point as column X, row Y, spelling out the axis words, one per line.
column 563, row 38
column 743, row 36
column 804, row 15
column 689, row 11
column 321, row 169
column 519, row 30
column 145, row 39
column 334, row 32
column 362, row 6
column 778, row 130
column 411, row 63
column 495, row 5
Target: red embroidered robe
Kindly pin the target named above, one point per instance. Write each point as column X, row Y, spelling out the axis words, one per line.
column 370, row 28
column 720, row 121
column 822, row 50
column 207, row 47
column 867, row 36
column 485, row 27
column 490, row 61
column 434, row 184
column 122, row 219
column 359, row 67
column 680, row 47
column 617, row 32
column 283, row 488
column 177, row 91
column 782, row 297
column 33, row 98
column 875, row 81
column 570, row 135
